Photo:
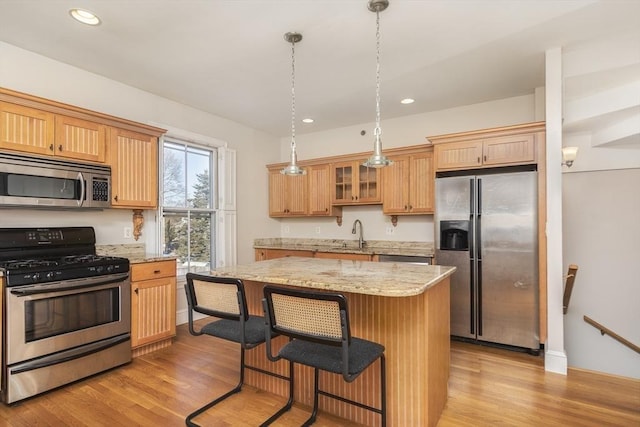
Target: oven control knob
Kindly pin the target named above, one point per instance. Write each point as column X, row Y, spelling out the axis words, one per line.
column 35, row 277
column 109, row 268
column 50, row 275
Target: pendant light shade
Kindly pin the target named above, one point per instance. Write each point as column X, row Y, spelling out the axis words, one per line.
column 377, row 159
column 293, row 168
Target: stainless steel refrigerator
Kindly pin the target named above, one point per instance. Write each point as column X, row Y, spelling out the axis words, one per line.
column 486, row 226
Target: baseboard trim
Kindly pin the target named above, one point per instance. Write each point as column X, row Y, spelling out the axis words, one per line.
column 555, row 361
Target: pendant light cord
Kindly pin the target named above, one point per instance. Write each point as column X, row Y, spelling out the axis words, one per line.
column 377, row 130
column 293, row 95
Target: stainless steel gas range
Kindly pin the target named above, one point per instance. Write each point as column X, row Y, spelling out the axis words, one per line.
column 66, row 310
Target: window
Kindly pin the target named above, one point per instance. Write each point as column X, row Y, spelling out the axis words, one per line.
column 188, row 209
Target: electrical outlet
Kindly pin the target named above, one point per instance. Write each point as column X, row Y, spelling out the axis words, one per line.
column 390, row 230
column 317, row 230
column 285, row 229
column 127, row 232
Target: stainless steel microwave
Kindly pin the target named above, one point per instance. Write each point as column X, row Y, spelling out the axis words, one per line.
column 45, row 182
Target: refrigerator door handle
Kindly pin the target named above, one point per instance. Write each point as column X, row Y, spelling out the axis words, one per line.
column 471, row 234
column 479, row 291
column 478, row 227
column 472, row 323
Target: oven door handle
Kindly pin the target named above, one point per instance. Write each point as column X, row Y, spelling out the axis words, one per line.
column 67, row 356
column 24, row 291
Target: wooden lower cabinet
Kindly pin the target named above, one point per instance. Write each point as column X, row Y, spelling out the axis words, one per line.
column 265, row 254
column 339, row 255
column 153, row 305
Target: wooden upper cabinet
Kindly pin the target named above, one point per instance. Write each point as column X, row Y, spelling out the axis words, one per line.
column 40, row 132
column 512, row 145
column 26, row 129
column 287, row 194
column 319, row 189
column 409, row 185
column 134, row 169
column 459, row 155
column 80, row 139
column 354, row 184
column 509, row 149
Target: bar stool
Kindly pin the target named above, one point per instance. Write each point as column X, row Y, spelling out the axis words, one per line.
column 317, row 324
column 225, row 299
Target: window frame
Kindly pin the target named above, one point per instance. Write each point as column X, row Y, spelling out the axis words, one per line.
column 199, row 142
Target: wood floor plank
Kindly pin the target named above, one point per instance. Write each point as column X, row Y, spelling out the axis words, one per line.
column 487, row 387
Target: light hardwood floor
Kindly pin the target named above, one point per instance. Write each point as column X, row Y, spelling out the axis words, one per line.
column 487, row 387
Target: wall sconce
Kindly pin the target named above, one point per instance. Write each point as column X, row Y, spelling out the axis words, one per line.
column 569, row 154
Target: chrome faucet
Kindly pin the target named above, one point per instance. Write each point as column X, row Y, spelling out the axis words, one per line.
column 361, row 241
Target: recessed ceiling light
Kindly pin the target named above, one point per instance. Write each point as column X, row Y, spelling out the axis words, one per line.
column 307, row 120
column 408, row 101
column 84, row 16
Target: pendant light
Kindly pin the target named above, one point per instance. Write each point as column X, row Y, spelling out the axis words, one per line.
column 293, row 168
column 377, row 159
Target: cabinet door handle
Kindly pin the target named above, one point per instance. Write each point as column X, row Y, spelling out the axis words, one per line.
column 116, row 198
column 60, row 147
column 406, row 208
column 478, row 159
column 485, row 158
column 136, row 291
column 156, row 271
column 326, row 209
column 50, row 147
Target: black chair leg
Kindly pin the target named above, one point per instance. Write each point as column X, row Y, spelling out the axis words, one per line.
column 316, row 390
column 289, row 403
column 214, row 402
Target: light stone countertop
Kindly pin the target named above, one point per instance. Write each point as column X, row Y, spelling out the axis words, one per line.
column 360, row 277
column 135, row 252
column 372, row 247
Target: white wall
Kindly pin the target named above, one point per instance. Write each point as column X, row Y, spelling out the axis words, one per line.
column 601, row 205
column 601, row 235
column 34, row 74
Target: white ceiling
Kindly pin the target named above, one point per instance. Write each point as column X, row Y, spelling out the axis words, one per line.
column 229, row 58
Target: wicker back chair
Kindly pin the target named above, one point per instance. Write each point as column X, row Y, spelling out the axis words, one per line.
column 317, row 324
column 224, row 298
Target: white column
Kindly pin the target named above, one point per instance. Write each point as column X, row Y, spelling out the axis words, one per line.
column 555, row 355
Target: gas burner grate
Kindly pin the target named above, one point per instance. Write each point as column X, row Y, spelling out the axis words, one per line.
column 28, row 263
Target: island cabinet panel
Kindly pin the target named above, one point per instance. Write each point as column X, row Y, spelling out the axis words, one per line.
column 409, row 185
column 153, row 305
column 26, row 129
column 415, row 333
column 287, row 194
column 134, row 169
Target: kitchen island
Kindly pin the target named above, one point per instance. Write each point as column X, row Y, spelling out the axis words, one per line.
column 405, row 307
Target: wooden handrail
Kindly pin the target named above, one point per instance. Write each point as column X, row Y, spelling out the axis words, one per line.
column 568, row 287
column 612, row 334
